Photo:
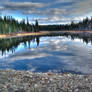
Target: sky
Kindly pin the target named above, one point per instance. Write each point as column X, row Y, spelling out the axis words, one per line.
column 47, row 11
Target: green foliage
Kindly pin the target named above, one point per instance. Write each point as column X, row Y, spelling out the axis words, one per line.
column 86, row 24
column 9, row 25
column 36, row 26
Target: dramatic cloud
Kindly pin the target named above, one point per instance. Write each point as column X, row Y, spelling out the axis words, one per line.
column 23, row 5
column 49, row 11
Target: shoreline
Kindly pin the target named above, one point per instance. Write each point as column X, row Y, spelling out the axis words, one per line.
column 44, row 33
column 26, row 81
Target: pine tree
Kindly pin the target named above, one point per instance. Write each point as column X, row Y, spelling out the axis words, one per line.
column 36, row 26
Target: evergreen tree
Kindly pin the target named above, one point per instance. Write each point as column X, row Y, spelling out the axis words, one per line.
column 36, row 26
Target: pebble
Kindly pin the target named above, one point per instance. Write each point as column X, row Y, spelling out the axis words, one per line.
column 26, row 81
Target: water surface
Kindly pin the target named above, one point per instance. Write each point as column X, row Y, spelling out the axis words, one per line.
column 49, row 53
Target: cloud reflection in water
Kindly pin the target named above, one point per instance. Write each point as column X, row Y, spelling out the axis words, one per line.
column 58, row 54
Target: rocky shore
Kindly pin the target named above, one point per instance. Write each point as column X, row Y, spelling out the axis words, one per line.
column 26, row 81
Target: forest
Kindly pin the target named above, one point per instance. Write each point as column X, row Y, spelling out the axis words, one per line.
column 85, row 24
column 9, row 25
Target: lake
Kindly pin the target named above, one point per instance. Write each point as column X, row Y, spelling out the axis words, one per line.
column 52, row 53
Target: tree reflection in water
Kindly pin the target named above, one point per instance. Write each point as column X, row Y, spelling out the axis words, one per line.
column 10, row 44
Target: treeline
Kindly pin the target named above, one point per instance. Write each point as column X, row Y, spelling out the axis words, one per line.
column 9, row 25
column 86, row 24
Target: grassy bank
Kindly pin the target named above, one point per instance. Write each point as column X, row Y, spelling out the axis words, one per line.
column 42, row 33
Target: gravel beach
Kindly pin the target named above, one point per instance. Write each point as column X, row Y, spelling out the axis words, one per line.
column 26, row 81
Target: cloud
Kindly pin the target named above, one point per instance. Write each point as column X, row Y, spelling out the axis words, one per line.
column 23, row 5
column 64, row 1
column 1, row 8
column 75, row 11
column 49, row 12
column 57, row 11
column 80, row 8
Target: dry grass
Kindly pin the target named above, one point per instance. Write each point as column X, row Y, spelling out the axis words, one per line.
column 37, row 33
column 23, row 34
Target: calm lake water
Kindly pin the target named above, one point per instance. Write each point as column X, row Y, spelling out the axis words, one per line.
column 47, row 53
